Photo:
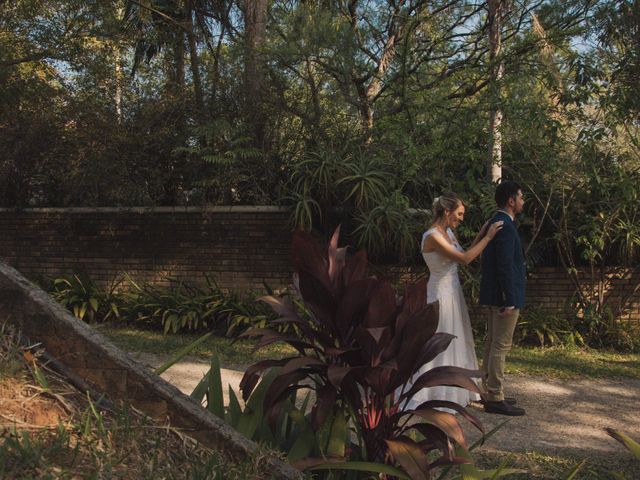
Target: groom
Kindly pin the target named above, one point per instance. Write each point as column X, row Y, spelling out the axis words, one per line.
column 502, row 289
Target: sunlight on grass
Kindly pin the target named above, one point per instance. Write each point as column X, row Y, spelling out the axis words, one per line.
column 552, row 362
column 232, row 354
column 541, row 465
column 561, row 362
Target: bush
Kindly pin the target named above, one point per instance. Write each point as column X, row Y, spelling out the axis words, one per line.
column 543, row 328
column 179, row 307
column 361, row 350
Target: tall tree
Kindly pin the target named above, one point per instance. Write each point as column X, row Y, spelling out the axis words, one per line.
column 255, row 28
column 496, row 74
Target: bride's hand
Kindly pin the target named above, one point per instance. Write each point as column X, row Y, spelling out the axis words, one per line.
column 493, row 229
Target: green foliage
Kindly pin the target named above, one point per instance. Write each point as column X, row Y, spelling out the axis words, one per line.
column 542, row 328
column 628, row 443
column 229, row 158
column 81, row 296
column 291, row 432
column 177, row 307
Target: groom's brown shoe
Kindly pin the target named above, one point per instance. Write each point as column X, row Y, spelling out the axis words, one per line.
column 503, row 408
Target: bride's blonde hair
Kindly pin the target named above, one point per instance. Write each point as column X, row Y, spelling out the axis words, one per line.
column 448, row 201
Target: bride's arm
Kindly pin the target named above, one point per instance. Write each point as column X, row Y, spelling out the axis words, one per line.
column 438, row 243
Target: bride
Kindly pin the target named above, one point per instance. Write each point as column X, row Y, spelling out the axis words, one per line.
column 442, row 254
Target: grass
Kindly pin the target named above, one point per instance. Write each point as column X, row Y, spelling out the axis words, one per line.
column 543, row 466
column 49, row 430
column 572, row 363
column 550, row 362
column 235, row 355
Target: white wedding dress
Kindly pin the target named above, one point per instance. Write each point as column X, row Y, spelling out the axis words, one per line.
column 444, row 285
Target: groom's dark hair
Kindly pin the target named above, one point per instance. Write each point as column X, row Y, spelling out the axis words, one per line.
column 506, row 190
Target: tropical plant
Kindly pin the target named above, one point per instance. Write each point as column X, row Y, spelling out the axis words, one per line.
column 179, row 306
column 314, row 184
column 82, row 297
column 391, row 226
column 543, row 328
column 185, row 307
column 628, row 443
column 361, row 351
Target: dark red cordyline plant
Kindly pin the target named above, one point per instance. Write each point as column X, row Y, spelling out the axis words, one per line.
column 361, row 347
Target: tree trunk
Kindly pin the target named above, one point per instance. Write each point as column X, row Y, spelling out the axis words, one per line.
column 255, row 22
column 117, row 97
column 194, row 60
column 175, row 64
column 496, row 72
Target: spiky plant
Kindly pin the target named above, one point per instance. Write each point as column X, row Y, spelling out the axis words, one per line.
column 361, row 349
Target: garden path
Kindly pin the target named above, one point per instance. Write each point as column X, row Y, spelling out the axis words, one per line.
column 563, row 416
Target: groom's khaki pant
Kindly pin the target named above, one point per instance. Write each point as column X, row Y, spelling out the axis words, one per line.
column 496, row 347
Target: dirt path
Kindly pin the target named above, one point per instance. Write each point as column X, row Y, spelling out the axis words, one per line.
column 562, row 415
column 568, row 415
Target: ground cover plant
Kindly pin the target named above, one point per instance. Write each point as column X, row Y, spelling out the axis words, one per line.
column 50, row 430
column 177, row 307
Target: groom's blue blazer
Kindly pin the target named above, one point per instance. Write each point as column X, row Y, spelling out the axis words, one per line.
column 503, row 278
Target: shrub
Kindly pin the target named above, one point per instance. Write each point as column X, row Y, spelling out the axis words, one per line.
column 361, row 350
column 82, row 297
column 176, row 308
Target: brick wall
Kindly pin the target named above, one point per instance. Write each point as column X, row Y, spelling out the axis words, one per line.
column 551, row 289
column 239, row 246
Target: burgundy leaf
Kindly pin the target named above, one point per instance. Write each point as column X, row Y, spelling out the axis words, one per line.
column 354, row 268
column 336, row 258
column 325, row 400
column 282, row 385
column 353, row 305
column 434, row 438
column 308, row 331
column 415, row 296
column 410, row 457
column 437, row 344
column 252, row 375
column 445, row 376
column 452, row 406
column 282, row 306
column 309, row 257
column 412, row 332
column 318, row 298
column 444, row 421
column 373, row 341
column 337, row 352
column 381, row 307
column 405, row 348
column 336, row 374
column 300, row 363
column 378, row 379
